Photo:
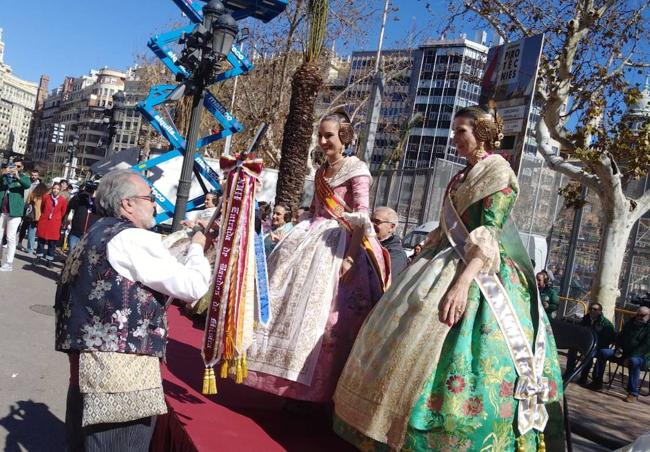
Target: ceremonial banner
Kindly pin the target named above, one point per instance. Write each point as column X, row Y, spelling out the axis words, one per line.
column 232, row 311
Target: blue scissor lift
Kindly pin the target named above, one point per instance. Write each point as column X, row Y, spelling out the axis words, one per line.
column 151, row 107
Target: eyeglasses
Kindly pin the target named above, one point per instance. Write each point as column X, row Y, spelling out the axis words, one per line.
column 150, row 197
column 593, row 308
column 378, row 221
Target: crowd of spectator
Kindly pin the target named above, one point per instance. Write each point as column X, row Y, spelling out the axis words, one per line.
column 629, row 348
column 50, row 217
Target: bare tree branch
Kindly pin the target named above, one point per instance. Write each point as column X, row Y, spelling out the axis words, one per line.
column 557, row 163
column 637, row 64
column 493, row 21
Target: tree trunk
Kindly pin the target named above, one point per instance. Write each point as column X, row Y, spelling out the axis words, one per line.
column 617, row 225
column 296, row 137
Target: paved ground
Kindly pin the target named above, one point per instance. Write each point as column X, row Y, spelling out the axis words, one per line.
column 33, row 378
column 605, row 418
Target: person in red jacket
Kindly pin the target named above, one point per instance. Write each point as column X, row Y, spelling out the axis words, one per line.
column 48, row 231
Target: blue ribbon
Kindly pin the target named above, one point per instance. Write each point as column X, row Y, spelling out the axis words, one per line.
column 263, row 314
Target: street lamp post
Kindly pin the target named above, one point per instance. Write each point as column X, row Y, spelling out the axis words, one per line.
column 72, row 149
column 109, row 123
column 367, row 143
column 205, row 48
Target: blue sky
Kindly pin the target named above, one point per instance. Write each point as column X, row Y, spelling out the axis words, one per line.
column 69, row 37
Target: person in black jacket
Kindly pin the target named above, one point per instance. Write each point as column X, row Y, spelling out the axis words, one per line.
column 83, row 206
column 385, row 221
column 605, row 334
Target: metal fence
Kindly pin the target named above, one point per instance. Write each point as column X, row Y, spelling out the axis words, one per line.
column 415, row 194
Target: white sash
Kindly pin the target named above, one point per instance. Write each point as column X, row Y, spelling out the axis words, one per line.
column 532, row 388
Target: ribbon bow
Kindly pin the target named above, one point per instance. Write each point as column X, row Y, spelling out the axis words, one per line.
column 532, row 392
column 251, row 166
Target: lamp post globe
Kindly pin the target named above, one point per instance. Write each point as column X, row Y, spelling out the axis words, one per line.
column 211, row 10
column 224, row 31
column 222, row 25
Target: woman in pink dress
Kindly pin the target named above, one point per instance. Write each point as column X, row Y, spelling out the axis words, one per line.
column 324, row 277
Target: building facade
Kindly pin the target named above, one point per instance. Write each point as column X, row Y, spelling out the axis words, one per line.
column 447, row 76
column 79, row 110
column 126, row 121
column 395, row 106
column 17, row 103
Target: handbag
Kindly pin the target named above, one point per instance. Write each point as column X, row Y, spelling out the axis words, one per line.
column 28, row 215
column 119, row 387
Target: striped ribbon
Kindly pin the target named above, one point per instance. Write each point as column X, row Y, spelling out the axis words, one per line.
column 337, row 207
column 228, row 318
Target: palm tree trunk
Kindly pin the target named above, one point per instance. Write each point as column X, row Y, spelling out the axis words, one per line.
column 296, row 138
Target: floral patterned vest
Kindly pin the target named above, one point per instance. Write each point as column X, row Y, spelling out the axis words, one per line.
column 97, row 309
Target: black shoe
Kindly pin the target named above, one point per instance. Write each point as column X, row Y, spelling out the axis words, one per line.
column 583, row 381
column 48, row 263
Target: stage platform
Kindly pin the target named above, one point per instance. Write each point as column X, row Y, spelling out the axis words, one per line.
column 238, row 418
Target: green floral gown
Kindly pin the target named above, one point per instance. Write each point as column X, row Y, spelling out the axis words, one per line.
column 468, row 403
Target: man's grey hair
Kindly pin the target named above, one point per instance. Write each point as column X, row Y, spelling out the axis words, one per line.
column 390, row 214
column 113, row 188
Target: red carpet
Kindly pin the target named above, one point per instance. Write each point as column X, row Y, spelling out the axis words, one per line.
column 238, row 418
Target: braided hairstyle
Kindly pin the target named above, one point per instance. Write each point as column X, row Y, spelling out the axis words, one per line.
column 487, row 126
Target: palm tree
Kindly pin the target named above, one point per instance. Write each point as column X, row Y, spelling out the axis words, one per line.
column 305, row 84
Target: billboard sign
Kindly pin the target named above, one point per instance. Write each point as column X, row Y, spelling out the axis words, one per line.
column 509, row 83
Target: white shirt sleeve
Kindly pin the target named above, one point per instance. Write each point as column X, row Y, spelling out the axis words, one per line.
column 139, row 255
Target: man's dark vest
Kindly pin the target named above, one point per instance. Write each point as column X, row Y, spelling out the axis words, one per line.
column 97, row 309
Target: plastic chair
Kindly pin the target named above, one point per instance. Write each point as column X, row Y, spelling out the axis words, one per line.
column 573, row 337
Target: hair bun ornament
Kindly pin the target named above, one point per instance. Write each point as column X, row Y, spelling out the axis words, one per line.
column 484, row 129
column 346, row 132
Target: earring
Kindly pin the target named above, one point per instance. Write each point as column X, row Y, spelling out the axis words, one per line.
column 479, row 151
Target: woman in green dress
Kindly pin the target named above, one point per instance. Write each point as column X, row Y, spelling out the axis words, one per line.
column 458, row 354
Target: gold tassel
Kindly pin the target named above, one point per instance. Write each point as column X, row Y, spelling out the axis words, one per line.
column 542, row 445
column 239, row 375
column 244, row 366
column 206, row 381
column 224, row 369
column 520, row 444
column 213, row 382
column 209, row 382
